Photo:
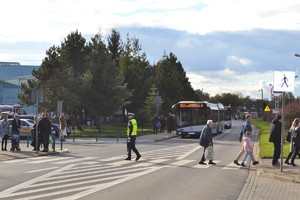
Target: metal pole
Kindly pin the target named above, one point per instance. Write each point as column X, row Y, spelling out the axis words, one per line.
column 37, row 122
column 282, row 131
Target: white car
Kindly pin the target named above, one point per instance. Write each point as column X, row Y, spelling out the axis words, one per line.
column 26, row 126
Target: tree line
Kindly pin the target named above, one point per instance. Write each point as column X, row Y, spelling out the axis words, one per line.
column 101, row 76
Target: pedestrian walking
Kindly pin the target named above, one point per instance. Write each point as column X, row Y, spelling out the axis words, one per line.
column 131, row 137
column 4, row 127
column 275, row 137
column 246, row 127
column 44, row 129
column 295, row 124
column 296, row 143
column 248, row 148
column 205, row 140
column 15, row 133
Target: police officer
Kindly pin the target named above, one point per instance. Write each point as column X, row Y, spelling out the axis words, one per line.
column 131, row 137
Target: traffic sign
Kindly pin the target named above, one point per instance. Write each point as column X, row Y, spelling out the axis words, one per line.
column 275, row 94
column 267, row 109
column 284, row 81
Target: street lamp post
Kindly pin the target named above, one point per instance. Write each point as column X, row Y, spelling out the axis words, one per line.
column 262, row 102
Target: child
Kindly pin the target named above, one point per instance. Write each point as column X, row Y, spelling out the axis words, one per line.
column 248, row 147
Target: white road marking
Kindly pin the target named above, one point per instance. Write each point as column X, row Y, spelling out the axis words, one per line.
column 233, row 166
column 188, row 153
column 50, row 160
column 75, row 160
column 40, row 170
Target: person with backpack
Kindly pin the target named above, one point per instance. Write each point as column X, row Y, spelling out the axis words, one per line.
column 246, row 127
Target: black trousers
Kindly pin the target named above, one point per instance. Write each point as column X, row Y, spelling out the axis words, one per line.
column 45, row 140
column 296, row 152
column 4, row 141
column 276, row 153
column 131, row 146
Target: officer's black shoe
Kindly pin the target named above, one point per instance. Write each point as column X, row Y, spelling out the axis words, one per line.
column 127, row 159
column 138, row 157
column 211, row 163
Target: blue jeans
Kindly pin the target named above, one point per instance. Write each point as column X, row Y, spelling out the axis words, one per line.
column 246, row 155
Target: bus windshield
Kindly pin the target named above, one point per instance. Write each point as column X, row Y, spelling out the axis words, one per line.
column 192, row 116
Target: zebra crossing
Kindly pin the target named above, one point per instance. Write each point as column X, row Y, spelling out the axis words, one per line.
column 76, row 179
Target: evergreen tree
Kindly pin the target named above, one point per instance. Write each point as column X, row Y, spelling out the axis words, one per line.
column 135, row 68
column 108, row 92
column 115, row 46
column 172, row 82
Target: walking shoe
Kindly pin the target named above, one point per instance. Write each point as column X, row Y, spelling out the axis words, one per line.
column 211, row 163
column 255, row 163
column 138, row 157
column 293, row 164
column 236, row 162
column 287, row 162
column 202, row 163
column 127, row 159
column 243, row 165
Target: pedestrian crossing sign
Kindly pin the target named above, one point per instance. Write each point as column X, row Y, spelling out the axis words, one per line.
column 267, row 109
column 284, row 81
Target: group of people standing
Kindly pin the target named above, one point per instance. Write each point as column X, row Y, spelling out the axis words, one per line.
column 160, row 122
column 42, row 129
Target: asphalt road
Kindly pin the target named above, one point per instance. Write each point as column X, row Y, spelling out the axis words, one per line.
column 167, row 170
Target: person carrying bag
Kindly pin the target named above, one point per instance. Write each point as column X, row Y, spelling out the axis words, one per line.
column 205, row 141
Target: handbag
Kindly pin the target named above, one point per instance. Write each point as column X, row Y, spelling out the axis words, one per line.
column 209, row 153
column 65, row 132
column 288, row 136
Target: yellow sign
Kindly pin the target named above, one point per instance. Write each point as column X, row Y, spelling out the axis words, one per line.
column 267, row 109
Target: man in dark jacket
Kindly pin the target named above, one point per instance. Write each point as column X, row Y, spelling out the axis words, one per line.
column 44, row 128
column 275, row 137
column 205, row 140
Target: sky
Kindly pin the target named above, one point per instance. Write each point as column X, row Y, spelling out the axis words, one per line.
column 224, row 46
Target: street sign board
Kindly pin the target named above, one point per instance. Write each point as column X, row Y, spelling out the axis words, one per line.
column 267, row 109
column 284, row 81
column 275, row 94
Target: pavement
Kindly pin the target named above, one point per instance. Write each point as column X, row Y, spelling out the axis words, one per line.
column 264, row 181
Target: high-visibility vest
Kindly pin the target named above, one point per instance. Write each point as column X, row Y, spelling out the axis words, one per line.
column 134, row 125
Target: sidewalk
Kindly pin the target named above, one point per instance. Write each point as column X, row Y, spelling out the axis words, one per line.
column 267, row 182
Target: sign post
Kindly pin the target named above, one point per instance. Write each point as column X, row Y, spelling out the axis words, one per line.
column 284, row 81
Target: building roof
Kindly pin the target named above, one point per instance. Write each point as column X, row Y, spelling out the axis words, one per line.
column 12, row 70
